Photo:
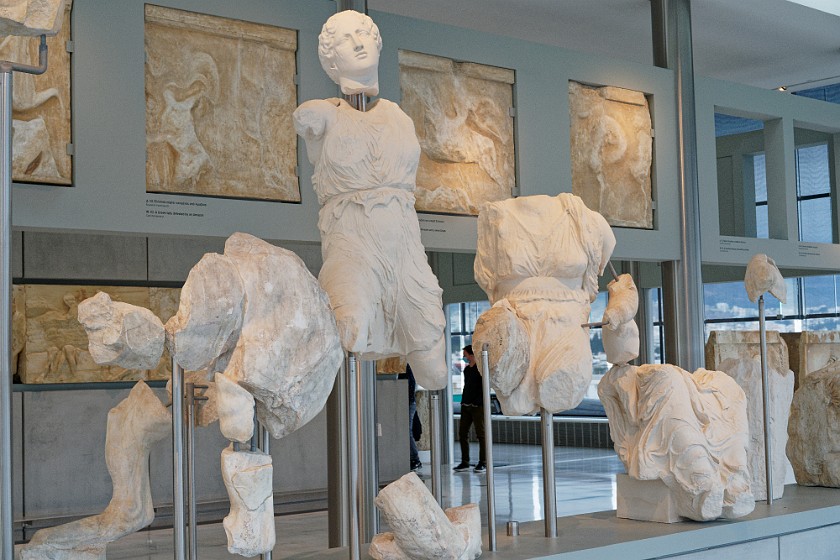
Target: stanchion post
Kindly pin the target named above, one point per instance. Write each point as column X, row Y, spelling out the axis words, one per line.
column 437, row 492
column 549, row 492
column 354, row 478
column 6, row 514
column 178, row 523
column 488, row 442
column 368, row 450
column 265, row 447
column 189, row 437
column 765, row 397
column 338, row 494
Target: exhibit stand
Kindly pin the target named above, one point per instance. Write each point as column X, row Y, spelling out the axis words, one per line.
column 6, row 71
column 765, row 402
column 488, row 442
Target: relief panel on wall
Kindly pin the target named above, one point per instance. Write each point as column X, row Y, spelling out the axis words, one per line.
column 611, row 153
column 462, row 116
column 219, row 100
column 41, row 109
column 55, row 346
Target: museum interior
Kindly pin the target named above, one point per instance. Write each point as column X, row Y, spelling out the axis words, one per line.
column 229, row 228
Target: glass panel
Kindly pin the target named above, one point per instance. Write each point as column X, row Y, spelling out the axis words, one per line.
column 728, row 300
column 812, row 170
column 454, row 312
column 759, row 163
column 815, row 223
column 820, row 294
column 762, row 230
column 821, row 324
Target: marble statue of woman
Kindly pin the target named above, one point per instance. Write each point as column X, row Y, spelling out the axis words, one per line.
column 386, row 299
column 538, row 259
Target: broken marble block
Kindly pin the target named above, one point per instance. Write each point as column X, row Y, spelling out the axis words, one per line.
column 688, row 430
column 421, row 529
column 120, row 333
column 611, row 153
column 235, row 406
column 813, row 445
column 746, row 345
column 250, row 524
column 747, row 373
column 31, row 17
column 538, row 259
column 811, row 351
column 620, row 333
column 134, row 426
column 645, row 500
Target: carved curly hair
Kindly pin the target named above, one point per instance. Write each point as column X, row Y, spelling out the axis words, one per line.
column 326, row 40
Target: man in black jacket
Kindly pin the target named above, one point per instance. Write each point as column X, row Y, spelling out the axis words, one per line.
column 472, row 413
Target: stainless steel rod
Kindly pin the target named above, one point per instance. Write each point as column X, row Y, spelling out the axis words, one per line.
column 338, row 499
column 765, row 398
column 189, row 436
column 368, row 450
column 434, row 414
column 178, row 460
column 265, row 447
column 353, row 457
column 549, row 492
column 488, row 443
column 6, row 514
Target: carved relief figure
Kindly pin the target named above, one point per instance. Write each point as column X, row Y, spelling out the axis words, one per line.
column 30, row 17
column 611, row 147
column 41, row 108
column 386, row 299
column 461, row 112
column 538, row 260
column 219, row 100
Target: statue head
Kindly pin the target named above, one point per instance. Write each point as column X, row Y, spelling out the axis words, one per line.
column 348, row 48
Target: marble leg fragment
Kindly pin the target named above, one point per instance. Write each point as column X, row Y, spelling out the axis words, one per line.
column 250, row 524
column 236, row 409
column 421, row 529
column 508, row 346
column 134, row 426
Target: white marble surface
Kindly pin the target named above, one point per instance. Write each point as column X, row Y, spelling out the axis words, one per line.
column 763, row 276
column 538, row 260
column 688, row 430
column 31, row 17
column 250, row 525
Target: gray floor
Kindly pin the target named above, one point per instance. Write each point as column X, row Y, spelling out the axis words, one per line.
column 585, row 481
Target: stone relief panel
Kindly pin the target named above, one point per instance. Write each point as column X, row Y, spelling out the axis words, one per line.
column 745, row 345
column 41, row 109
column 461, row 113
column 611, row 153
column 55, row 346
column 219, row 100
column 811, row 351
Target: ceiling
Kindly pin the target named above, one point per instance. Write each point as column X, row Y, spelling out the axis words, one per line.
column 763, row 43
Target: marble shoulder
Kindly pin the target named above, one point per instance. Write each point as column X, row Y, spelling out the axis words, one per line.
column 313, row 116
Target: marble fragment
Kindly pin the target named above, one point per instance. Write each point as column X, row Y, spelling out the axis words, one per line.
column 763, row 276
column 811, row 351
column 210, row 313
column 611, row 153
column 134, row 426
column 41, row 109
column 814, row 429
column 747, row 373
column 30, row 17
column 461, row 114
column 56, row 345
column 688, row 430
column 421, row 529
column 621, row 333
column 219, row 99
column 746, row 345
column 288, row 351
column 538, row 260
column 235, row 407
column 250, row 525
column 386, row 300
column 121, row 334
column 18, row 324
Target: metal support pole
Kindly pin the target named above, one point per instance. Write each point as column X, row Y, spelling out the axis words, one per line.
column 436, row 446
column 338, row 493
column 672, row 49
column 765, row 396
column 353, row 458
column 549, row 491
column 178, row 526
column 189, row 438
column 265, row 447
column 368, row 451
column 6, row 515
column 488, row 442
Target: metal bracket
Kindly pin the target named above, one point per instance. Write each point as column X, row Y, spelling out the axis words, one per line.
column 512, row 112
column 70, row 47
column 70, row 149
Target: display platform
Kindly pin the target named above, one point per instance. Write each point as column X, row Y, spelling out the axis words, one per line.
column 805, row 523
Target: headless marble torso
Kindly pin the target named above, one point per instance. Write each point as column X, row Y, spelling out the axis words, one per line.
column 386, row 300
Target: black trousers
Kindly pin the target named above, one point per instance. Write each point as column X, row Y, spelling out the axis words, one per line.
column 471, row 416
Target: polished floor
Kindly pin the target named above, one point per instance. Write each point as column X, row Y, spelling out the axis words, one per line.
column 585, row 482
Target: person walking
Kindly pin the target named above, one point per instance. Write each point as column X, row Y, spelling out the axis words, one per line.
column 472, row 413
